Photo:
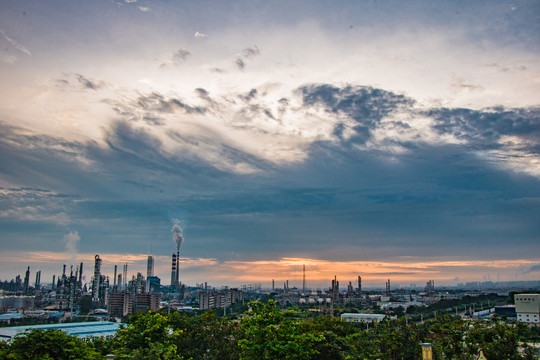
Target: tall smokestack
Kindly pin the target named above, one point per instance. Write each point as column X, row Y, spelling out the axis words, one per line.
column 177, row 281
column 178, row 240
column 38, row 280
column 80, row 273
column 173, row 270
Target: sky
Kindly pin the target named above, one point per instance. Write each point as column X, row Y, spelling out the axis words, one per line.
column 383, row 139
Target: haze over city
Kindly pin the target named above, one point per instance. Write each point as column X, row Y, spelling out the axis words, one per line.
column 382, row 139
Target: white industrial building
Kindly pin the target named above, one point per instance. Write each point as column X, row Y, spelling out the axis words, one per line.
column 362, row 318
column 80, row 329
column 527, row 308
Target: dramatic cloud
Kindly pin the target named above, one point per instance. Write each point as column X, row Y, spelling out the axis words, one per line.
column 352, row 137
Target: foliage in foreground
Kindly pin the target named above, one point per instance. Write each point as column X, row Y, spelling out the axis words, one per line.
column 266, row 332
column 48, row 344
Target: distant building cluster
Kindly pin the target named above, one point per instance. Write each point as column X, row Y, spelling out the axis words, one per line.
column 104, row 297
column 69, row 295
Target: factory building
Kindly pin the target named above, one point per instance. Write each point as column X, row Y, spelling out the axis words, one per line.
column 362, row 318
column 527, row 308
column 68, row 289
column 153, row 284
column 79, row 329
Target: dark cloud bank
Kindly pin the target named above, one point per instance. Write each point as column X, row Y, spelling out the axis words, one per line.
column 345, row 201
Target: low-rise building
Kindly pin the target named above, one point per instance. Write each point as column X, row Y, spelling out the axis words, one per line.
column 508, row 311
column 527, row 308
column 80, row 329
column 362, row 318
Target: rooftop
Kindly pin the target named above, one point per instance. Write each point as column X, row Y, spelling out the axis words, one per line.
column 80, row 329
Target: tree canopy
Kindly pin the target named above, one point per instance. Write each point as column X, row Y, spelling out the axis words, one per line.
column 268, row 332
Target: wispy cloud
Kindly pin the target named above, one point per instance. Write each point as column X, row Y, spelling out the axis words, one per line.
column 15, row 44
column 176, row 58
column 246, row 54
column 528, row 268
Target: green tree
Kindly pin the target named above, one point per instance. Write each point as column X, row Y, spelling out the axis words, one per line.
column 447, row 336
column 4, row 347
column 48, row 345
column 499, row 340
column 334, row 331
column 399, row 311
column 267, row 333
column 103, row 345
column 362, row 345
column 204, row 337
column 147, row 336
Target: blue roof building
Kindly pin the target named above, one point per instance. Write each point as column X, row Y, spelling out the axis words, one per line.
column 80, row 329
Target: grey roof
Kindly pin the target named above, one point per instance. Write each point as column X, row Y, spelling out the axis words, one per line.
column 11, row 316
column 366, row 316
column 80, row 329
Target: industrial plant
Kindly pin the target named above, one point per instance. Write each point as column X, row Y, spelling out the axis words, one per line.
column 106, row 297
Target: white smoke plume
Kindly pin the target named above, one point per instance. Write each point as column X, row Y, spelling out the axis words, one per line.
column 177, row 234
column 71, row 241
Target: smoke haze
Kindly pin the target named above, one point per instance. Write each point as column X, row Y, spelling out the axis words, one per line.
column 177, row 234
column 71, row 241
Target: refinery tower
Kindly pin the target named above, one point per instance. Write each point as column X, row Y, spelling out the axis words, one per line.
column 175, row 269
